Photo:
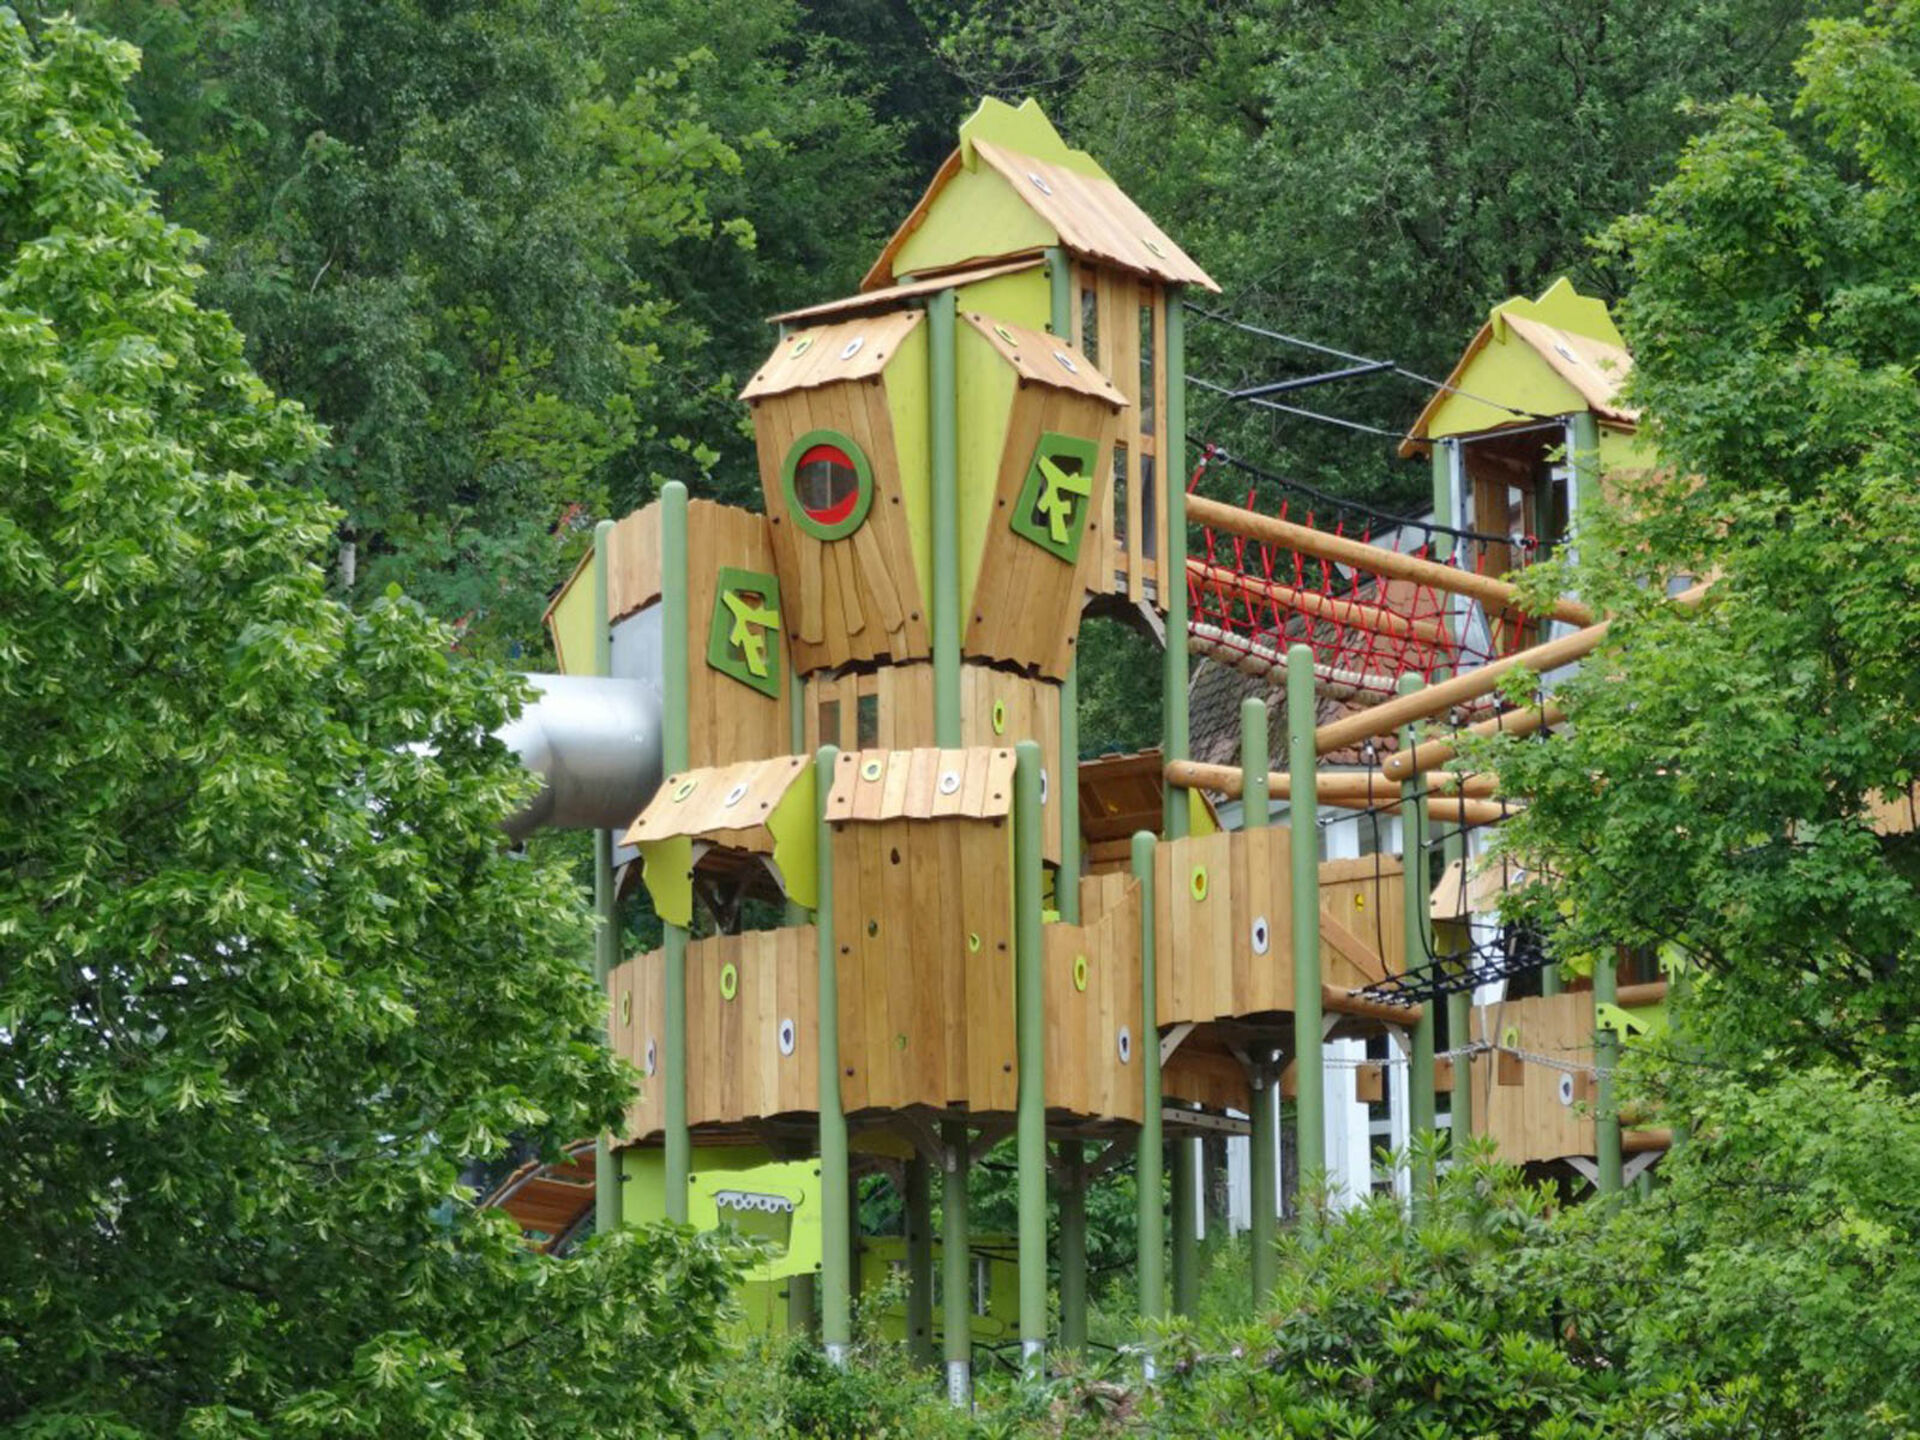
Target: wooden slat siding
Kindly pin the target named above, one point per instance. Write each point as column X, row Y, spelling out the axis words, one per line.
column 985, row 790
column 986, row 871
column 704, row 814
column 1084, row 1071
column 735, row 1071
column 1031, row 353
column 1527, row 1121
column 856, row 599
column 1208, row 968
column 819, row 359
column 1094, row 217
column 1366, row 897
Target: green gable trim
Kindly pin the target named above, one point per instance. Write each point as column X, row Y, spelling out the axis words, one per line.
column 1058, row 492
column 744, row 641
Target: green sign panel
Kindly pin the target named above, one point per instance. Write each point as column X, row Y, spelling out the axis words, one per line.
column 745, row 639
column 1053, row 504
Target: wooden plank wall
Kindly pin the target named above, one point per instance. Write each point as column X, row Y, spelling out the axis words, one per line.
column 1026, row 603
column 903, row 706
column 923, row 911
column 735, row 1071
column 1119, row 297
column 1085, row 1074
column 1525, row 1116
column 1365, row 898
column 858, row 598
column 1209, row 969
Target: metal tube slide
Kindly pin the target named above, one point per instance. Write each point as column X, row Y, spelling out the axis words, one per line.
column 595, row 742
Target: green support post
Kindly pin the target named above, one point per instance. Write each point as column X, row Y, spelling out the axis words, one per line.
column 1073, row 1245
column 944, row 501
column 1185, row 1221
column 1606, row 1057
column 800, row 1302
column 1030, row 1135
column 1459, row 1027
column 836, row 1196
column 1421, row 1110
column 956, row 1265
column 606, row 900
column 674, row 626
column 1066, row 794
column 1144, row 1044
column 1263, row 1153
column 1173, row 563
column 918, row 1205
column 1303, row 808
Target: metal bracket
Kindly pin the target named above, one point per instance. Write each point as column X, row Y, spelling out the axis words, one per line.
column 991, row 1134
column 1639, row 1165
column 1116, row 1154
column 1201, row 1120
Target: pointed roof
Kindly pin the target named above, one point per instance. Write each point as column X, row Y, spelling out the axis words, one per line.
column 1013, row 187
column 1532, row 358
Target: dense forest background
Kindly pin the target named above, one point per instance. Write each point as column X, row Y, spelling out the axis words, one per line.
column 517, row 254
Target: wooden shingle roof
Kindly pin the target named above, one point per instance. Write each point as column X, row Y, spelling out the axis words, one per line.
column 922, row 784
column 856, row 349
column 1046, row 359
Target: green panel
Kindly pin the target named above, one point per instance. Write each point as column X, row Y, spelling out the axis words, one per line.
column 986, row 384
column 977, row 216
column 742, row 1185
column 882, row 1255
column 667, row 868
column 1199, row 818
column 792, row 823
column 1621, row 450
column 745, row 638
column 1057, row 494
column 1025, row 128
column 1511, row 372
column 905, row 379
column 1021, row 299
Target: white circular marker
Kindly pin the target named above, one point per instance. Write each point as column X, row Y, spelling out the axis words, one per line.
column 949, row 782
column 1126, row 1046
column 734, row 796
column 1260, row 936
column 1566, row 1089
column 787, row 1037
column 852, row 347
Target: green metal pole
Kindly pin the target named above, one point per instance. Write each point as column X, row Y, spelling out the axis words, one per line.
column 1030, row 1137
column 1173, row 563
column 1073, row 1245
column 1145, row 1045
column 1441, row 456
column 1186, row 1218
column 1263, row 1153
column 1459, row 1027
column 1310, row 1080
column 836, row 1195
column 956, row 1265
column 1060, row 293
column 1420, row 1078
column 674, row 624
column 1066, row 794
column 919, row 1217
column 1606, row 1055
column 944, row 437
column 606, row 901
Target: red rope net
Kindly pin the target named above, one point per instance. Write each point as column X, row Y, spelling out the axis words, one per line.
column 1249, row 602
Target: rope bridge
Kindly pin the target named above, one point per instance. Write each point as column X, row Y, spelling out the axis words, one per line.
column 1355, row 584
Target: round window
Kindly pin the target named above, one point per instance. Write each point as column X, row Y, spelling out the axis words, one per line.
column 829, row 484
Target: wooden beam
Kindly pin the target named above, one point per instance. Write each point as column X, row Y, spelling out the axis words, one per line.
column 1345, row 786
column 1433, row 754
column 1309, row 602
column 1637, row 1142
column 1346, row 1002
column 1448, row 808
column 1653, row 992
column 1497, row 595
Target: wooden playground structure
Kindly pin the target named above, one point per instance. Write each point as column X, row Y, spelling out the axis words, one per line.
column 926, row 922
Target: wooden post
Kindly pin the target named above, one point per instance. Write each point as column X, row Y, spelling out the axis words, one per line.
column 1420, row 1077
column 1073, row 1245
column 606, row 899
column 918, row 1208
column 836, row 1197
column 1263, row 1157
column 675, row 622
column 1148, row 1231
column 1173, row 560
column 1309, row 1054
column 1030, row 1136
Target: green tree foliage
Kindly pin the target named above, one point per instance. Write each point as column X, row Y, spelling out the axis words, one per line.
column 512, row 253
column 1373, row 174
column 267, row 974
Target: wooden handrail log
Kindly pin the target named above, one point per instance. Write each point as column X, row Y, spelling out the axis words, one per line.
column 1638, row 1142
column 1424, row 704
column 1433, row 754
column 1308, row 602
column 1226, row 780
column 1653, row 992
column 1496, row 594
column 1349, row 785
column 1345, row 1002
